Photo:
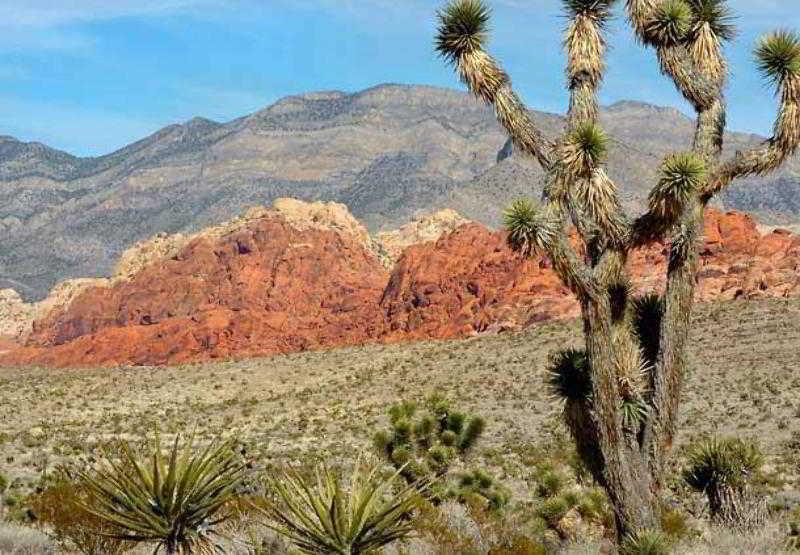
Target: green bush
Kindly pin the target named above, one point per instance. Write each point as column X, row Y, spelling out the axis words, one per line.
column 322, row 515
column 176, row 501
column 425, row 443
column 646, row 542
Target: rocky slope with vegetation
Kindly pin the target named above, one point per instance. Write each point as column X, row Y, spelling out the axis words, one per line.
column 305, row 276
column 389, row 153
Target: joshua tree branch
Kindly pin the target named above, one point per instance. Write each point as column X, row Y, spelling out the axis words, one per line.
column 461, row 37
column 462, row 33
column 670, row 369
column 665, row 33
column 776, row 150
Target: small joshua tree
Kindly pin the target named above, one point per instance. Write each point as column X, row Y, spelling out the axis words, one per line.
column 425, row 444
column 723, row 469
column 623, row 402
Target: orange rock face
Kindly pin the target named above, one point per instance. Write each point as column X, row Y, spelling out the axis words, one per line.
column 271, row 286
column 267, row 288
column 470, row 282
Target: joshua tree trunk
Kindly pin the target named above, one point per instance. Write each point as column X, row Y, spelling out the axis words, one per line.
column 622, row 393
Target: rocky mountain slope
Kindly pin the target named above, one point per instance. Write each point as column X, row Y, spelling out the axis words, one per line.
column 305, row 276
column 388, row 153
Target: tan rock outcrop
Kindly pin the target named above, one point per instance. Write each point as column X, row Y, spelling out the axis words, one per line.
column 17, row 317
column 421, row 230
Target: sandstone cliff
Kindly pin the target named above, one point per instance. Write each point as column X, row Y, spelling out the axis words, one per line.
column 308, row 276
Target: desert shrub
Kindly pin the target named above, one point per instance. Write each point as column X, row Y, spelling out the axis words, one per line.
column 58, row 509
column 559, row 495
column 424, row 444
column 479, row 484
column 520, row 545
column 553, row 509
column 794, row 529
column 646, row 542
column 175, row 501
column 469, row 529
column 723, row 469
column 323, row 515
column 3, row 487
column 675, row 525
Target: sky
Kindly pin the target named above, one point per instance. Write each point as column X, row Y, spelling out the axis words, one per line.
column 90, row 76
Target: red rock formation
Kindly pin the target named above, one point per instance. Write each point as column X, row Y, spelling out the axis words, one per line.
column 470, row 282
column 266, row 288
column 272, row 285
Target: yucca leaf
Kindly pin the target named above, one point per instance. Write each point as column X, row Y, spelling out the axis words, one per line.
column 171, row 499
column 327, row 518
column 778, row 55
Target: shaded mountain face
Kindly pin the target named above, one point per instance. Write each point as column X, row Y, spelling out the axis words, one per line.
column 389, row 153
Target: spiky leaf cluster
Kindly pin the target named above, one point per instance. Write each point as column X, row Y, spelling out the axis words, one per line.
column 716, row 15
column 425, row 444
column 682, row 175
column 715, row 463
column 569, row 376
column 598, row 10
column 323, row 515
column 173, row 500
column 585, row 149
column 646, row 542
column 648, row 311
column 633, row 411
column 778, row 56
column 712, row 25
column 670, row 23
column 463, row 28
column 530, row 228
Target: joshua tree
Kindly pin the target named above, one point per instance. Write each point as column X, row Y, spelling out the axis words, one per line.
column 623, row 390
column 423, row 445
column 723, row 469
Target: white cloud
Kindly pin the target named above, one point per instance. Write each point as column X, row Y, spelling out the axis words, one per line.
column 54, row 13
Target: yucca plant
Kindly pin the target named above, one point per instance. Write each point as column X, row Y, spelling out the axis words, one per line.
column 723, row 469
column 323, row 515
column 175, row 499
column 646, row 542
column 622, row 390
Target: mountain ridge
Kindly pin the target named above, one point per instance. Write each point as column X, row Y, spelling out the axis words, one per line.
column 390, row 152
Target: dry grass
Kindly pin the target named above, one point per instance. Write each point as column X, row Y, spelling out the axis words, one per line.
column 744, row 381
column 20, row 540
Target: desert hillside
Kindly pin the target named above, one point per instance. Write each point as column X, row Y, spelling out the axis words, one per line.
column 743, row 381
column 388, row 153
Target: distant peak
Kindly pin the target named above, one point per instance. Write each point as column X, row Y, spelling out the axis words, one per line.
column 201, row 122
column 636, row 105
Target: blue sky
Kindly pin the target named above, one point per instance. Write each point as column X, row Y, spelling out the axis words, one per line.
column 89, row 76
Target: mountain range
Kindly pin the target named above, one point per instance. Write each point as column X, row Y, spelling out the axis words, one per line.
column 389, row 153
